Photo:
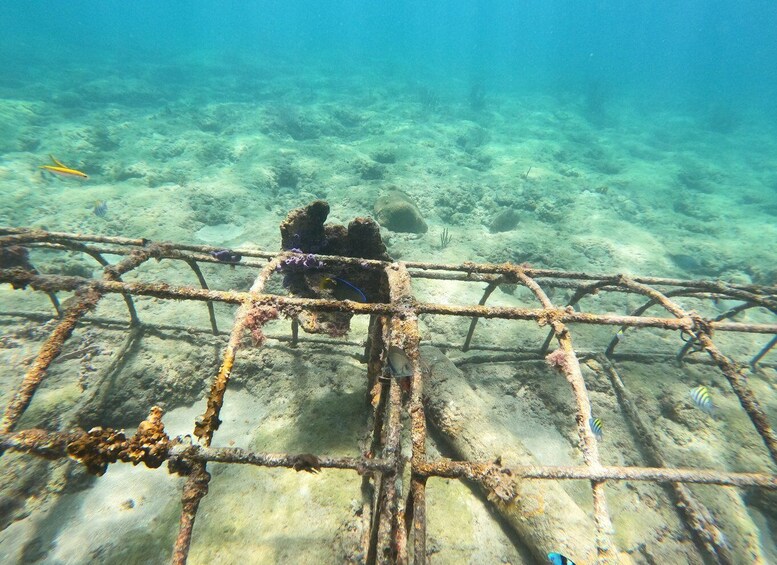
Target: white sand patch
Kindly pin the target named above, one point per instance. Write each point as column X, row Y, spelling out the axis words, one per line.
column 125, row 498
column 220, row 234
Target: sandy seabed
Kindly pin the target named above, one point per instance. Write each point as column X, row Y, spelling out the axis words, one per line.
column 219, row 154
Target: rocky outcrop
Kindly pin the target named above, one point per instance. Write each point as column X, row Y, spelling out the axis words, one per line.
column 395, row 211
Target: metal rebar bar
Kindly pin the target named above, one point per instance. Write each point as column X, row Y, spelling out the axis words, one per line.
column 477, row 471
column 54, row 445
column 27, row 235
column 48, row 352
column 390, row 520
column 702, row 331
column 204, row 284
column 206, row 424
column 86, row 300
column 405, row 336
column 697, row 517
column 170, row 292
column 762, row 353
column 568, row 364
column 492, row 286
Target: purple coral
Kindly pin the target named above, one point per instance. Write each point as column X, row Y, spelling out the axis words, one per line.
column 300, row 261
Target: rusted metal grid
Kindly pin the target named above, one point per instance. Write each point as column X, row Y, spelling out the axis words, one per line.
column 395, row 522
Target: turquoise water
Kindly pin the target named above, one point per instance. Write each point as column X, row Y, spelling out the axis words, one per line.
column 658, row 117
column 636, row 137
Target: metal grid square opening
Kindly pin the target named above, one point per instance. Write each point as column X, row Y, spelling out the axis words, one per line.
column 393, row 467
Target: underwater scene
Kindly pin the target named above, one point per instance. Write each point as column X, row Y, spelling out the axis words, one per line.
column 559, row 225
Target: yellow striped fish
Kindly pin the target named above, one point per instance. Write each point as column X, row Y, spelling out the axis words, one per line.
column 63, row 170
column 597, row 428
column 702, row 399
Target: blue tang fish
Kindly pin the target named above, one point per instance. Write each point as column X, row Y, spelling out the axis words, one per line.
column 341, row 289
column 558, row 559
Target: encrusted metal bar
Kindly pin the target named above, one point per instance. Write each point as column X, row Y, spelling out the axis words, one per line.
column 104, row 263
column 492, row 286
column 21, row 236
column 387, row 547
column 697, row 517
column 389, row 524
column 566, row 361
column 197, row 483
column 702, row 331
column 166, row 291
column 209, row 422
column 405, row 336
column 689, row 345
column 204, row 284
column 88, row 297
column 378, row 393
column 178, row 451
column 764, row 350
column 194, row 490
column 579, row 294
column 482, row 471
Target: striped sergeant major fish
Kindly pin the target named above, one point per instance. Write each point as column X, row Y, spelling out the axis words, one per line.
column 702, row 399
column 597, row 428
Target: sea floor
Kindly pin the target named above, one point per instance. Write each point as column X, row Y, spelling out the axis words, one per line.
column 219, row 153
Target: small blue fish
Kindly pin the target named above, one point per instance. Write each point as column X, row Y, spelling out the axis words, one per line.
column 702, row 399
column 100, row 208
column 558, row 559
column 342, row 290
column 596, row 427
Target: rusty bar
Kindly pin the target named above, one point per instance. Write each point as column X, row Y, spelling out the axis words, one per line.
column 197, row 484
column 391, row 536
column 702, row 330
column 388, row 503
column 492, row 286
column 237, row 455
column 52, row 296
column 166, row 291
column 764, row 350
column 27, row 235
column 653, row 301
column 54, row 445
column 725, row 315
column 697, row 517
column 195, row 488
column 203, row 283
column 405, row 335
column 175, row 252
column 747, row 399
column 209, row 422
column 480, row 471
column 378, row 393
column 55, row 303
column 568, row 364
column 52, row 347
column 104, row 263
column 580, row 292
